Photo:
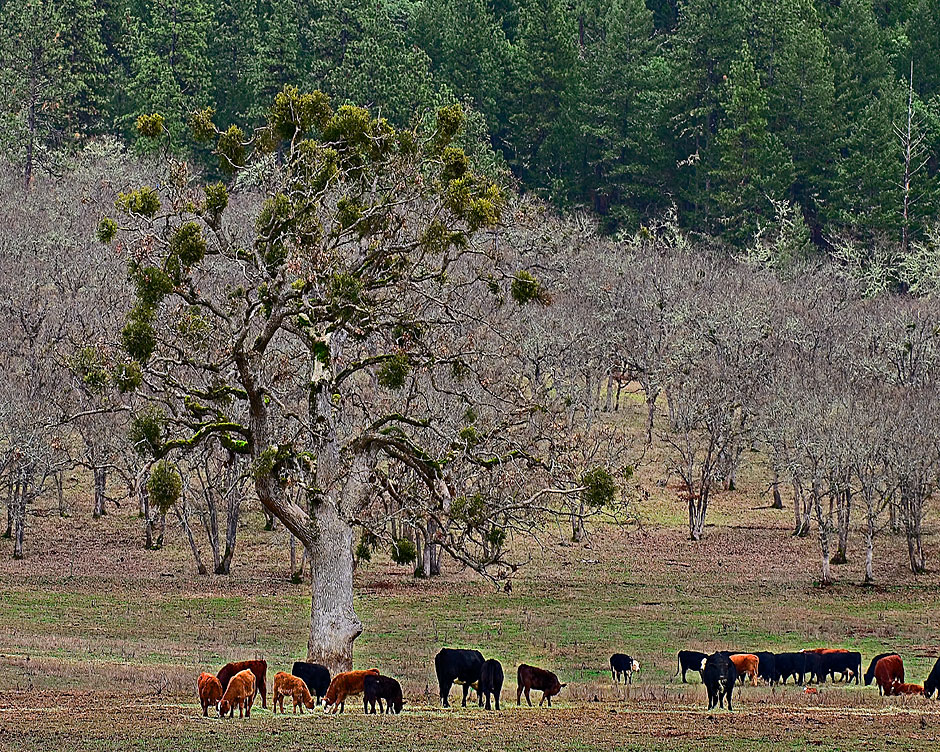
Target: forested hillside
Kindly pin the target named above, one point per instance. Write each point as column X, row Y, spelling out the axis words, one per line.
column 736, row 113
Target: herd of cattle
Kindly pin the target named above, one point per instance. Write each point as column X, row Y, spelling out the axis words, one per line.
column 237, row 684
column 722, row 670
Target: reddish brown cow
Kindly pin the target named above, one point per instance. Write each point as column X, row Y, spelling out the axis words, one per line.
column 344, row 685
column 240, row 692
column 888, row 672
column 906, row 689
column 259, row 668
column 531, row 678
column 210, row 691
column 288, row 685
column 746, row 665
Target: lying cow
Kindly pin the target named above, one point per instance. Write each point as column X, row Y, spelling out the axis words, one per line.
column 460, row 666
column 623, row 666
column 746, row 664
column 378, row 688
column 288, row 685
column 344, row 685
column 531, row 678
column 690, row 660
column 210, row 691
column 239, row 692
column 259, row 668
column 906, row 689
column 719, row 676
column 888, row 672
column 491, row 682
column 933, row 681
column 315, row 676
column 870, row 674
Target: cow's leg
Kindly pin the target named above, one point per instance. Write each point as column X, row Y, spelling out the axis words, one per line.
column 466, row 691
column 445, row 691
column 519, row 695
column 496, row 698
column 264, row 692
column 630, row 676
column 527, row 698
column 549, row 698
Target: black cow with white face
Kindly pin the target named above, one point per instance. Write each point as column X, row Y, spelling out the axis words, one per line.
column 690, row 660
column 623, row 666
column 933, row 681
column 719, row 676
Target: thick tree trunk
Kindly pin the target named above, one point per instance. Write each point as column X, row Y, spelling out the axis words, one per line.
column 775, row 487
column 698, row 506
column 334, row 625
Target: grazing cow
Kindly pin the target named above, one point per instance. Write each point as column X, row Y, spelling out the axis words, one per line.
column 767, row 667
column 906, row 689
column 378, row 688
column 623, row 665
column 491, row 682
column 933, row 681
column 315, row 676
column 719, row 676
column 259, row 668
column 870, row 674
column 845, row 662
column 814, row 668
column 210, row 691
column 288, row 685
column 746, row 664
column 690, row 660
column 531, row 678
column 888, row 672
column 460, row 666
column 791, row 664
column 344, row 685
column 239, row 692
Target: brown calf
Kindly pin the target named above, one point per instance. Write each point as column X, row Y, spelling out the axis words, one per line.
column 288, row 685
column 259, row 668
column 531, row 678
column 210, row 691
column 241, row 692
column 906, row 689
column 344, row 685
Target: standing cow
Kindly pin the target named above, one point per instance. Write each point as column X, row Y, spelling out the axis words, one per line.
column 315, row 676
column 461, row 666
column 719, row 676
column 888, row 672
column 933, row 681
column 870, row 674
column 690, row 660
column 257, row 667
column 531, row 678
column 491, row 682
column 747, row 665
column 623, row 666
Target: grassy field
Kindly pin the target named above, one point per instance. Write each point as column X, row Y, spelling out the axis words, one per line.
column 101, row 641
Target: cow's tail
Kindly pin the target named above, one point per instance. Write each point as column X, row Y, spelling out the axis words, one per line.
column 678, row 667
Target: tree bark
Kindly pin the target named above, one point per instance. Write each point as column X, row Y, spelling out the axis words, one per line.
column 825, row 528
column 19, row 517
column 698, row 507
column 183, row 518
column 101, row 479
column 577, row 524
column 60, row 493
column 11, row 485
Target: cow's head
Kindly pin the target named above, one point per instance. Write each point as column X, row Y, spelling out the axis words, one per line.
column 704, row 661
column 635, row 666
column 397, row 706
column 224, row 707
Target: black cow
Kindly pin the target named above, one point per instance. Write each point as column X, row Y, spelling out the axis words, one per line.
column 690, row 660
column 767, row 668
column 623, row 665
column 315, row 676
column 847, row 664
column 455, row 665
column 719, row 676
column 378, row 688
column 790, row 664
column 491, row 682
column 814, row 668
column 933, row 681
column 870, row 674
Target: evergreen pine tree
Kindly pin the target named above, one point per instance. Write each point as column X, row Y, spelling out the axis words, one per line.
column 753, row 169
column 233, row 54
column 924, row 33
